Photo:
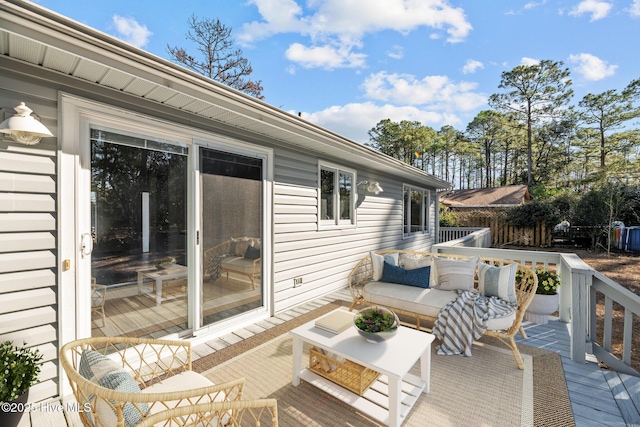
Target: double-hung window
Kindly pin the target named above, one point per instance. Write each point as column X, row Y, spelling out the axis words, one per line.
column 337, row 196
column 417, row 203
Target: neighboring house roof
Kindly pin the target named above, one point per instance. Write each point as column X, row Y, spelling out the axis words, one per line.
column 487, row 197
column 37, row 36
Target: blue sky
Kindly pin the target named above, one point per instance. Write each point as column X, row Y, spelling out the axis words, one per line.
column 347, row 64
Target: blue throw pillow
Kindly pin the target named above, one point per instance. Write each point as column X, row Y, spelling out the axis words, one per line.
column 418, row 277
column 252, row 253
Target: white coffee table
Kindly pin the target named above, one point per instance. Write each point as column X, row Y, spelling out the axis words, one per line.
column 392, row 396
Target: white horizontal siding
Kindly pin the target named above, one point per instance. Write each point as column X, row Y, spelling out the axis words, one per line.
column 26, row 183
column 19, row 202
column 17, row 301
column 25, row 163
column 19, row 261
column 18, row 242
column 26, row 319
column 324, row 258
column 10, row 222
column 25, row 280
column 28, row 212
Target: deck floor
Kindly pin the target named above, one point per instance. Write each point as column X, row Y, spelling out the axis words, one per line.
column 598, row 397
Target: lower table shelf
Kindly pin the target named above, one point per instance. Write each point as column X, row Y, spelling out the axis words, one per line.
column 374, row 402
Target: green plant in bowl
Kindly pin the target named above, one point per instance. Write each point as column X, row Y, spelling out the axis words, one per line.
column 376, row 323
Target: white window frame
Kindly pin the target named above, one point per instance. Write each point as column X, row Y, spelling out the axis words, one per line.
column 425, row 209
column 336, row 222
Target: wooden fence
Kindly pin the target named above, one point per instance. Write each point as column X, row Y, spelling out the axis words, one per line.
column 503, row 234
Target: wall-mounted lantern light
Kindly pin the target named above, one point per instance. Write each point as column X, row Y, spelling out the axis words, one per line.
column 23, row 127
column 371, row 187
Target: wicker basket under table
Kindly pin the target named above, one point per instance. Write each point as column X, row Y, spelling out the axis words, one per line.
column 347, row 374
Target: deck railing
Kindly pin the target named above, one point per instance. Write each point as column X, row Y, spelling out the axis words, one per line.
column 579, row 292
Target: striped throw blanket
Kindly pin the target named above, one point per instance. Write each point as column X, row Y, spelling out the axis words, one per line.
column 464, row 320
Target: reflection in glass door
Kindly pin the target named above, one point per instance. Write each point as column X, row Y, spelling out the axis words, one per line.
column 231, row 194
column 138, row 220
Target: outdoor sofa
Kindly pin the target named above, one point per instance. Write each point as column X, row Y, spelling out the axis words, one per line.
column 239, row 255
column 426, row 300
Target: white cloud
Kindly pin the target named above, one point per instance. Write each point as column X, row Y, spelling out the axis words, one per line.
column 344, row 24
column 529, row 61
column 591, row 67
column 596, row 8
column 324, row 56
column 356, row 119
column 433, row 100
column 471, row 66
column 533, row 4
column 634, row 10
column 397, row 52
column 131, row 31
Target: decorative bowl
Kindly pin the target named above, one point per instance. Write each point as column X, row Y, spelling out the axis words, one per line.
column 376, row 324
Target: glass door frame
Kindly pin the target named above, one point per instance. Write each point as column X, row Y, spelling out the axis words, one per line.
column 230, row 145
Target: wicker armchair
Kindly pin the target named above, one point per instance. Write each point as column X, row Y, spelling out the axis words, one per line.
column 525, row 291
column 258, row 413
column 98, row 297
column 160, row 368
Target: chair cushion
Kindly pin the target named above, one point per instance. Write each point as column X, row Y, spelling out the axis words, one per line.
column 187, row 380
column 377, row 262
column 498, row 281
column 418, row 277
column 99, row 369
column 455, row 274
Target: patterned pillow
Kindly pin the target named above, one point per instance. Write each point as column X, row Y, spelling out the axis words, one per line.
column 411, row 263
column 455, row 274
column 498, row 281
column 418, row 277
column 378, row 263
column 105, row 372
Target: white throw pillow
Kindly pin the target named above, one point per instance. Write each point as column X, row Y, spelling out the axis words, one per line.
column 498, row 281
column 454, row 274
column 411, row 263
column 378, row 263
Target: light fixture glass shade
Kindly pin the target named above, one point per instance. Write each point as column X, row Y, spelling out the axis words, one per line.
column 374, row 187
column 23, row 127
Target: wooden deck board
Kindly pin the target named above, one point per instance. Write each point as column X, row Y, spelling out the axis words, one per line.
column 592, row 400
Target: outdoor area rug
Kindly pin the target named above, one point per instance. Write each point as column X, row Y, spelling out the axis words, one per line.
column 486, row 389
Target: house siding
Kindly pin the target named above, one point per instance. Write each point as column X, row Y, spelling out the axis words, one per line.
column 324, row 258
column 28, row 234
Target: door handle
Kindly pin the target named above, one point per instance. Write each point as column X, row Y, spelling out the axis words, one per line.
column 86, row 244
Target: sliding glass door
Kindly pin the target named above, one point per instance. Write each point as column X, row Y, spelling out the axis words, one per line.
column 139, row 265
column 231, row 221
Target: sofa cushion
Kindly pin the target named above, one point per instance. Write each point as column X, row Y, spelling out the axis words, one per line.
column 498, row 281
column 100, row 369
column 417, row 277
column 377, row 262
column 426, row 302
column 238, row 264
column 454, row 274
